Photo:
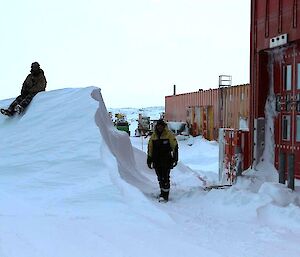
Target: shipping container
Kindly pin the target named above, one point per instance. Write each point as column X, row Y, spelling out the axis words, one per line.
column 275, row 80
column 207, row 110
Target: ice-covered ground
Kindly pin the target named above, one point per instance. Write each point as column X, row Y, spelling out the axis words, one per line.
column 72, row 189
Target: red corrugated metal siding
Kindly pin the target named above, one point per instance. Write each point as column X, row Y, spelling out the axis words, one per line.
column 235, row 108
column 210, row 97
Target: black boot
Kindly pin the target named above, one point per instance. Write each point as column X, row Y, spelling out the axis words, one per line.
column 19, row 109
column 166, row 195
column 7, row 112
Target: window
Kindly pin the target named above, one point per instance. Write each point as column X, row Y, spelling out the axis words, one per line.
column 286, row 127
column 298, row 129
column 288, row 77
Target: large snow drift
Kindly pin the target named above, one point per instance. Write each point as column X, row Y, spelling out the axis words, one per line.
column 73, row 186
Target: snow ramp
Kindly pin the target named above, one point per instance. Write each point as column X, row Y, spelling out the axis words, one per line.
column 120, row 146
column 67, row 190
column 53, row 157
column 58, row 126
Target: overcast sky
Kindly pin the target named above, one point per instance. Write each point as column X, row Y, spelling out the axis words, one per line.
column 135, row 50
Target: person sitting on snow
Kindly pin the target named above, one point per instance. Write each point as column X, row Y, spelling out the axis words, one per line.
column 162, row 156
column 34, row 83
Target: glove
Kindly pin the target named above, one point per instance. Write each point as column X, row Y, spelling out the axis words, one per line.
column 174, row 163
column 175, row 157
column 149, row 162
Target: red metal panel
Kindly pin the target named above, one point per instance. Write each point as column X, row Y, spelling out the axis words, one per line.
column 236, row 152
column 176, row 106
column 271, row 18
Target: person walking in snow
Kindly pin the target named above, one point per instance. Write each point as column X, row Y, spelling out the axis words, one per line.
column 162, row 156
column 34, row 83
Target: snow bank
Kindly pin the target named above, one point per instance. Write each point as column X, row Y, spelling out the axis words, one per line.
column 280, row 218
column 120, row 146
column 69, row 191
column 280, row 194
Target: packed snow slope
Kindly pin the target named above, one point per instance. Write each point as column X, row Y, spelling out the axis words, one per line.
column 73, row 186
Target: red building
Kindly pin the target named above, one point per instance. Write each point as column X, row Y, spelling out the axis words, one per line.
column 275, row 83
column 208, row 110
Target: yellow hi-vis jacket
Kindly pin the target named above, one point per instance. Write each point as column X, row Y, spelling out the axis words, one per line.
column 163, row 150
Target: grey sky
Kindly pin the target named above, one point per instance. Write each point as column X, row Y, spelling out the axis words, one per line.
column 135, row 50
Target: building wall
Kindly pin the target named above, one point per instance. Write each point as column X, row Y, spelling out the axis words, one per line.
column 176, row 105
column 236, row 106
column 222, row 107
column 272, row 21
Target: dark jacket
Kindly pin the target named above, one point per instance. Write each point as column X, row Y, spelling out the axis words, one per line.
column 34, row 83
column 163, row 149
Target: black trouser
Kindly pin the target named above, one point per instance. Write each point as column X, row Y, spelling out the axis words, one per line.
column 163, row 176
column 23, row 100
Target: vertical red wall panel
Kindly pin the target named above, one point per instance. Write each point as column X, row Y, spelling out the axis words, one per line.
column 272, row 20
column 210, row 98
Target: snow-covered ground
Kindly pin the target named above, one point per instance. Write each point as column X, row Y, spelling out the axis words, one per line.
column 72, row 189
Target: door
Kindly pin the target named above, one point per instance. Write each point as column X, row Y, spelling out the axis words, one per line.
column 198, row 120
column 287, row 124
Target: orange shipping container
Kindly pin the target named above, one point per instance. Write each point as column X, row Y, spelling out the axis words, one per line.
column 229, row 108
